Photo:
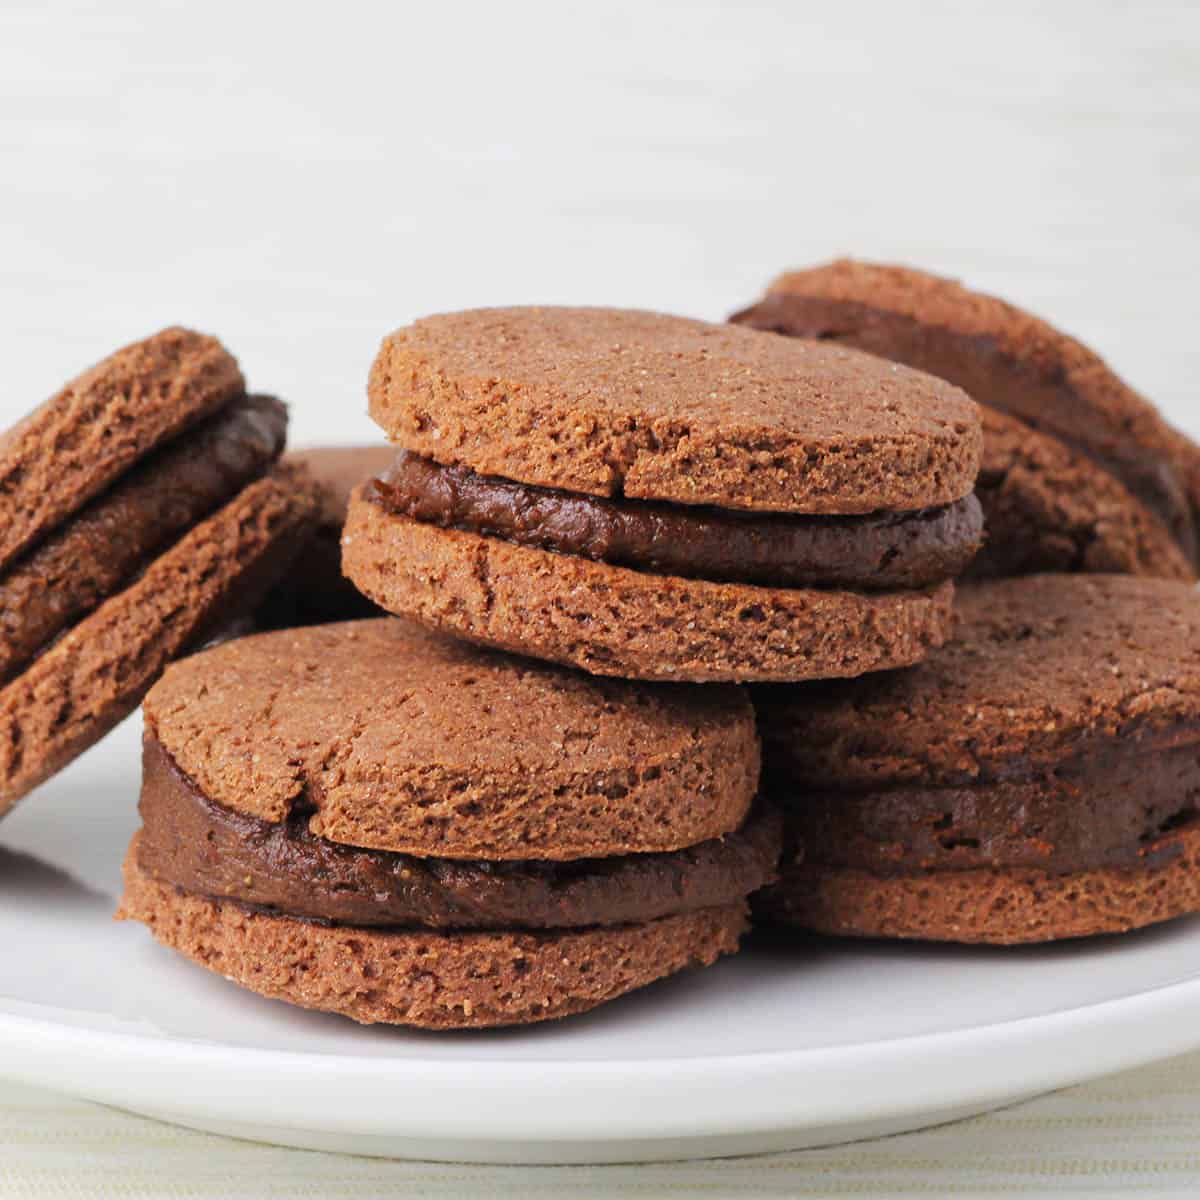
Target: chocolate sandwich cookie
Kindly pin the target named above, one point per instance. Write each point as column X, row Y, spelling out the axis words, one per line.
column 314, row 590
column 1037, row 778
column 371, row 820
column 658, row 498
column 1081, row 474
column 142, row 511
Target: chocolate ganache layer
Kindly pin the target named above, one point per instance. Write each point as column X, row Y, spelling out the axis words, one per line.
column 206, row 849
column 1115, row 808
column 882, row 551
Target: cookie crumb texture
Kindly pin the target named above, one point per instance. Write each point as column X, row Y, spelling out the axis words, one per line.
column 1048, row 508
column 1041, row 670
column 98, row 672
column 82, row 439
column 622, row 403
column 998, row 907
column 611, row 620
column 424, row 979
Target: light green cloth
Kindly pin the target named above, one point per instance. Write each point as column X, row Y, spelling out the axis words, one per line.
column 1136, row 1133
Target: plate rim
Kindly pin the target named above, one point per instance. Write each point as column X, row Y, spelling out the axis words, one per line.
column 457, row 1099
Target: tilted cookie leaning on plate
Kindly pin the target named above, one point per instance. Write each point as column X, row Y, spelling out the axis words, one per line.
column 141, row 510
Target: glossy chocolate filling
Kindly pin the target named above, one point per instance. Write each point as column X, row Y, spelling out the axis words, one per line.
column 1119, row 807
column 879, row 551
column 207, row 849
column 1039, row 395
column 111, row 541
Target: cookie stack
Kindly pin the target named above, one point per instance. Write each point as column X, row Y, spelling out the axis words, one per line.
column 1035, row 779
column 369, row 820
column 536, row 786
column 605, row 521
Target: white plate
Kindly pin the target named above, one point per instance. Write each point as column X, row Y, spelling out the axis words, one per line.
column 781, row 1047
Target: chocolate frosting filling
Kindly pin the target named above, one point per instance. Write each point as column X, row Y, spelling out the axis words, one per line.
column 114, row 538
column 880, row 551
column 207, row 849
column 1039, row 395
column 1116, row 808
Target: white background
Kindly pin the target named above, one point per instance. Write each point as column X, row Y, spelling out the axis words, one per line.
column 301, row 178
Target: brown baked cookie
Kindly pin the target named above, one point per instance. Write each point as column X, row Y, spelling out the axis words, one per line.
column 1037, row 778
column 314, row 590
column 400, row 740
column 343, row 803
column 1093, row 478
column 179, row 543
column 652, row 497
column 82, row 439
column 425, row 978
column 1001, row 908
column 1048, row 508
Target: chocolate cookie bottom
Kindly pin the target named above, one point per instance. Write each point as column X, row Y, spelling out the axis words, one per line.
column 421, row 978
column 996, row 906
column 612, row 620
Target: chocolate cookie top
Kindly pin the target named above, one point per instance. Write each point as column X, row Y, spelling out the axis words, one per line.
column 1003, row 357
column 612, row 402
column 82, row 439
column 398, row 740
column 1043, row 670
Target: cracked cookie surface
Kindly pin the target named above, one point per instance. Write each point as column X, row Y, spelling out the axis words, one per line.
column 465, row 753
